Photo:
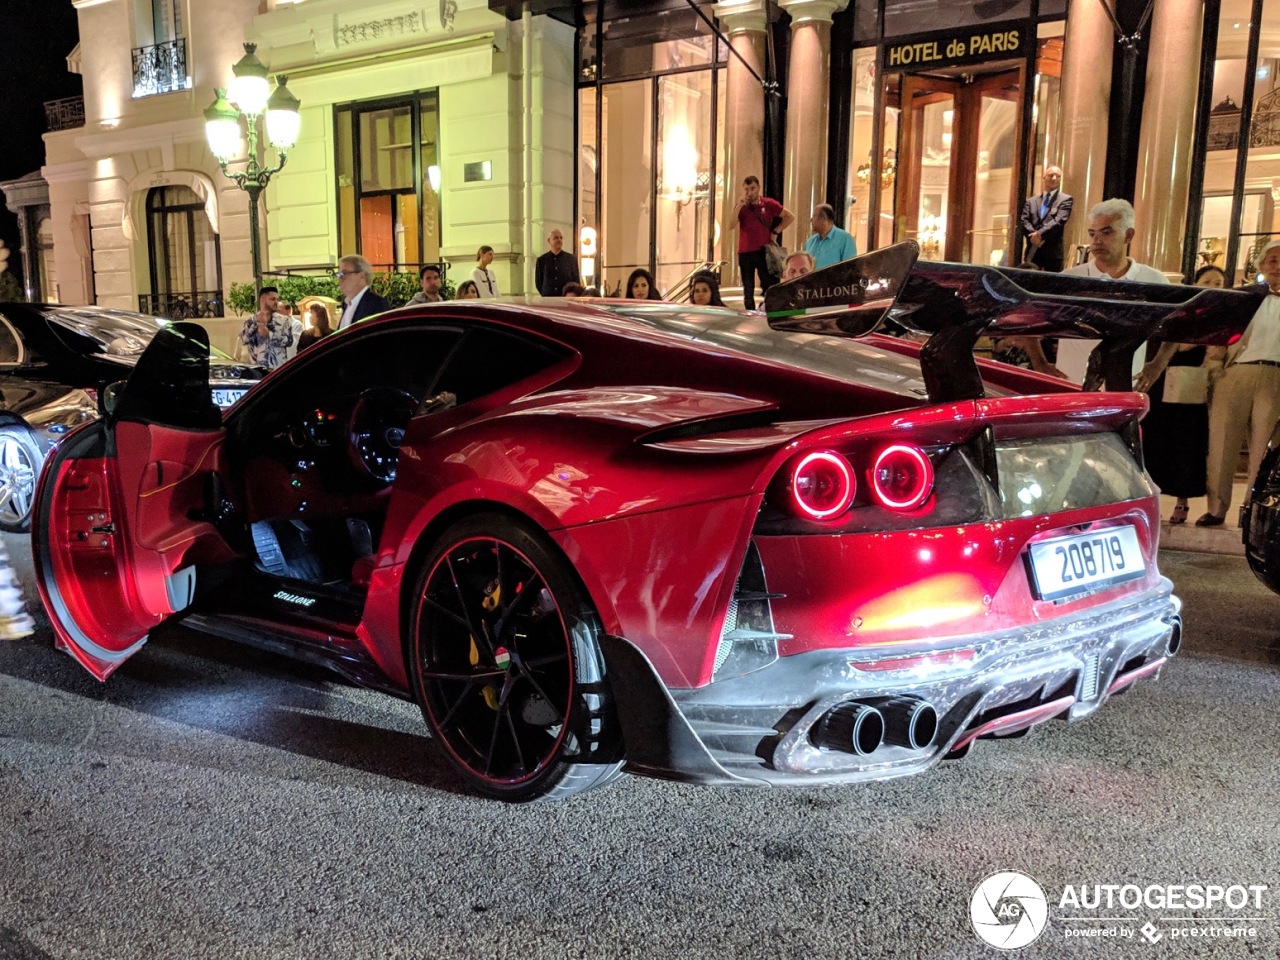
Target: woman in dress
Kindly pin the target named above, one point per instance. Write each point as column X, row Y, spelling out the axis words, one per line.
column 319, row 326
column 640, row 285
column 1175, row 433
column 485, row 282
column 705, row 291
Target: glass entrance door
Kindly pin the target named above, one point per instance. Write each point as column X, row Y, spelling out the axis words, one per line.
column 956, row 189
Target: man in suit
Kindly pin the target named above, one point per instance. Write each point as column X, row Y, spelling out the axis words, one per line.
column 354, row 277
column 555, row 268
column 1043, row 218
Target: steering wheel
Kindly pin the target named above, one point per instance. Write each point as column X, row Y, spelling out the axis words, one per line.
column 375, row 430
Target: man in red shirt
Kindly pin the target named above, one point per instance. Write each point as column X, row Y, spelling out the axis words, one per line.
column 755, row 216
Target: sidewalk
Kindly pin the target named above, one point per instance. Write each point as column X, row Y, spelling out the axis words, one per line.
column 1187, row 536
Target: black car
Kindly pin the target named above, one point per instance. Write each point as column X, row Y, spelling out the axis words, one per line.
column 1260, row 519
column 54, row 360
column 34, row 415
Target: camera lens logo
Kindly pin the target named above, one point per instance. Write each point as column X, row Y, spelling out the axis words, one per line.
column 1008, row 910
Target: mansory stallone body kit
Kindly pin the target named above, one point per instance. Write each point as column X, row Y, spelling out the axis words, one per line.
column 594, row 536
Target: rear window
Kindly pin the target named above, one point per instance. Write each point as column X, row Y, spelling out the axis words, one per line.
column 112, row 333
column 751, row 335
column 1052, row 474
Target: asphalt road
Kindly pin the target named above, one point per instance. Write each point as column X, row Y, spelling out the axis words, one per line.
column 210, row 801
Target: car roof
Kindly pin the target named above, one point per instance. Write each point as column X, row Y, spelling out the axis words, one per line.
column 685, row 328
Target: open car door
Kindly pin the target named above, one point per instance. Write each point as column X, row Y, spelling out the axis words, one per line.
column 126, row 507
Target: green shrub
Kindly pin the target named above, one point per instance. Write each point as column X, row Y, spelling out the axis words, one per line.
column 397, row 287
column 10, row 289
column 240, row 299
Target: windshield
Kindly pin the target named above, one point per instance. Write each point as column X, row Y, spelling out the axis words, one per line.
column 115, row 334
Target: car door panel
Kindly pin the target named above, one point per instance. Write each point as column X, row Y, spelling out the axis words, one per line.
column 123, row 522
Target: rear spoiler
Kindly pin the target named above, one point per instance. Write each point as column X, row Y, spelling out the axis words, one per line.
column 956, row 303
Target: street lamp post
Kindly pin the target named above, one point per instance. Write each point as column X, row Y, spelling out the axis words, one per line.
column 248, row 97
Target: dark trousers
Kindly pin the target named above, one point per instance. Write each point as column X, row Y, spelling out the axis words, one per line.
column 750, row 264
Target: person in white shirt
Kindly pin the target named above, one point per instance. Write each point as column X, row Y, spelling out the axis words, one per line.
column 486, row 282
column 1111, row 230
column 1244, row 393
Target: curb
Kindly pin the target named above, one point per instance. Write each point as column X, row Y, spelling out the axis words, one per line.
column 1192, row 539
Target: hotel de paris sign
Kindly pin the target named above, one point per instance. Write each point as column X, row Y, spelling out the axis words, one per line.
column 955, row 48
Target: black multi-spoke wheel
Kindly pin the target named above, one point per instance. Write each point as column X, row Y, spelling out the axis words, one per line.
column 506, row 665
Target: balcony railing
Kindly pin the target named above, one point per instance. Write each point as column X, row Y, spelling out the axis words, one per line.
column 182, row 306
column 64, row 114
column 160, row 68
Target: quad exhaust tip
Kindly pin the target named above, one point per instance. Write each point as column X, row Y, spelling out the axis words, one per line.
column 861, row 728
column 852, row 727
column 909, row 722
column 1175, row 637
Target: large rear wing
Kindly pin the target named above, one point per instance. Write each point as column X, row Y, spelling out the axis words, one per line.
column 956, row 303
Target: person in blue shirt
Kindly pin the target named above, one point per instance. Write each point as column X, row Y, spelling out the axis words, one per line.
column 828, row 244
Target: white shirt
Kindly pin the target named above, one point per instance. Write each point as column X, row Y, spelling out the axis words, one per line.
column 1264, row 333
column 292, row 350
column 1073, row 355
column 350, row 309
column 486, row 283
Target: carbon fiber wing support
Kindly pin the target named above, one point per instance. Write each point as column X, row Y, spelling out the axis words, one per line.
column 955, row 303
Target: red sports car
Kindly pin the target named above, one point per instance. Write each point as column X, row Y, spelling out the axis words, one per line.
column 594, row 537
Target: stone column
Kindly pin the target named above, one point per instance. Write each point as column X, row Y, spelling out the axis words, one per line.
column 744, row 22
column 808, row 80
column 1168, row 129
column 1084, row 100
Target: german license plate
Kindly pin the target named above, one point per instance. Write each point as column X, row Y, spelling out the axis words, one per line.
column 1084, row 563
column 226, row 396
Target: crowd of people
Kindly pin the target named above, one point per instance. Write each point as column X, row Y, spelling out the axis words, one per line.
column 1204, row 401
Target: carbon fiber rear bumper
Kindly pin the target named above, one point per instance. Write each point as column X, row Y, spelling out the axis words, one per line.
column 757, row 729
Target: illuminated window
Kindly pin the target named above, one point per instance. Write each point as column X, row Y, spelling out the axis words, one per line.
column 389, row 181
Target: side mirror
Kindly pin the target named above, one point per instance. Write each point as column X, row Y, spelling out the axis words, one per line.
column 109, row 397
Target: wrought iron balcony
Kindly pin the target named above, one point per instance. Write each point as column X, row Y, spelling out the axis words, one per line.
column 160, row 68
column 182, row 306
column 65, row 114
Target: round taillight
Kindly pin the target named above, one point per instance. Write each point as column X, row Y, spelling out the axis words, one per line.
column 822, row 485
column 902, row 477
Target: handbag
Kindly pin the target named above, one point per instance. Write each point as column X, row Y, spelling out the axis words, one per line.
column 775, row 259
column 1186, row 385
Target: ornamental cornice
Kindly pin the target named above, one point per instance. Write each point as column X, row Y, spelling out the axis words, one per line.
column 742, row 16
column 812, row 11
column 321, row 29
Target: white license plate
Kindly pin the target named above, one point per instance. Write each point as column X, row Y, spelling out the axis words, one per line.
column 226, row 396
column 1067, row 566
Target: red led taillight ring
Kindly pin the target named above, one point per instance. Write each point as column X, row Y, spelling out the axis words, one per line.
column 902, row 456
column 822, row 485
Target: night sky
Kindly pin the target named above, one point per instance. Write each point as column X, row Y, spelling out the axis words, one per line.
column 35, row 41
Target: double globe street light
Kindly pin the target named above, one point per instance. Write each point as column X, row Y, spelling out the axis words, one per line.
column 247, row 98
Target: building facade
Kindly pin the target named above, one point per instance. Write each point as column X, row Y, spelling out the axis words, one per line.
column 425, row 136
column 422, row 138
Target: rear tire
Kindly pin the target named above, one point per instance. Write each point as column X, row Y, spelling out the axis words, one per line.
column 20, row 461
column 506, row 665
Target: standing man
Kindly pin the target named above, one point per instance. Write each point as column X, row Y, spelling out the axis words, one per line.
column 1043, row 218
column 828, row 244
column 1245, row 393
column 354, row 277
column 1111, row 229
column 429, row 278
column 269, row 337
column 755, row 216
column 555, row 268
